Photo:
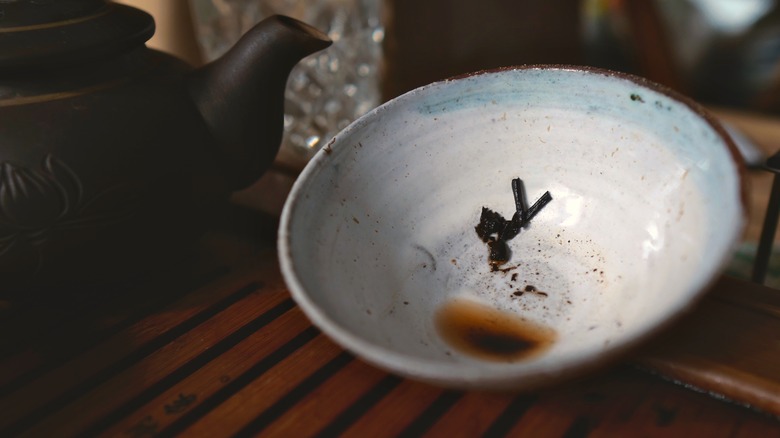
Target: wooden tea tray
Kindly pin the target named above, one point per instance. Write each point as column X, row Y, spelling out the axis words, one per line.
column 221, row 349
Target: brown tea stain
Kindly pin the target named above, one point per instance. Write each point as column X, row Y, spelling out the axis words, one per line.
column 491, row 334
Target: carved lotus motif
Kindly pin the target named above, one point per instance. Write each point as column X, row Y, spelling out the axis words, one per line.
column 35, row 202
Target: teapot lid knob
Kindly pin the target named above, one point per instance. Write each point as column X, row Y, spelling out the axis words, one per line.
column 43, row 33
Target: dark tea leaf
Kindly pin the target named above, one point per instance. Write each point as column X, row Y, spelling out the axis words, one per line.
column 490, row 223
column 494, row 230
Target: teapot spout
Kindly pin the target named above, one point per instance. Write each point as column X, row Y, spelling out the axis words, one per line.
column 241, row 94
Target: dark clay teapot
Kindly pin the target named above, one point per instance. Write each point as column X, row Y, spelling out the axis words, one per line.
column 113, row 155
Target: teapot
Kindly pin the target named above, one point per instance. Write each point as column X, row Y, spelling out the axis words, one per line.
column 114, row 156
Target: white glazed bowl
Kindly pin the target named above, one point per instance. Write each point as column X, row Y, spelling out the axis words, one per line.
column 377, row 235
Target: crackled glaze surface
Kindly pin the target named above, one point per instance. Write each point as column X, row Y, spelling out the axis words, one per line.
column 378, row 233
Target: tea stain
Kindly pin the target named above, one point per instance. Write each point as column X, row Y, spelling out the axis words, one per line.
column 491, row 334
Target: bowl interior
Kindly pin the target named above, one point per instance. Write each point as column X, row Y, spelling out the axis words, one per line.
column 378, row 246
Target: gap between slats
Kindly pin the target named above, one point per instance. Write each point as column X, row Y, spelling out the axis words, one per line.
column 29, row 364
column 49, row 406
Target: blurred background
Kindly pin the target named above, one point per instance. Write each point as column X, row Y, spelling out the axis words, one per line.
column 723, row 53
column 720, row 52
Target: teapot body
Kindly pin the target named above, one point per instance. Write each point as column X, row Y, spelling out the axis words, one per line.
column 106, row 169
column 113, row 156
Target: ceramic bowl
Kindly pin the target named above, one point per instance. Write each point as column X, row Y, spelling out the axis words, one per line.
column 377, row 241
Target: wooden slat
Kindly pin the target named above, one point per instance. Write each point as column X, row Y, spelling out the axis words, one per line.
column 84, row 410
column 572, row 412
column 755, row 427
column 427, row 418
column 169, row 405
column 260, row 394
column 118, row 348
column 510, row 415
column 360, row 406
column 673, row 411
column 110, row 394
column 40, row 343
column 625, row 402
column 482, row 410
column 323, row 403
column 391, row 415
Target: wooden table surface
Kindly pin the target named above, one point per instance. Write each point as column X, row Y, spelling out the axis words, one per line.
column 218, row 348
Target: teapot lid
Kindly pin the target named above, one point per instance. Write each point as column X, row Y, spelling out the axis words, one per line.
column 44, row 33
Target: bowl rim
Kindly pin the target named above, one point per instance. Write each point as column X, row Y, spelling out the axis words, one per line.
column 456, row 375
